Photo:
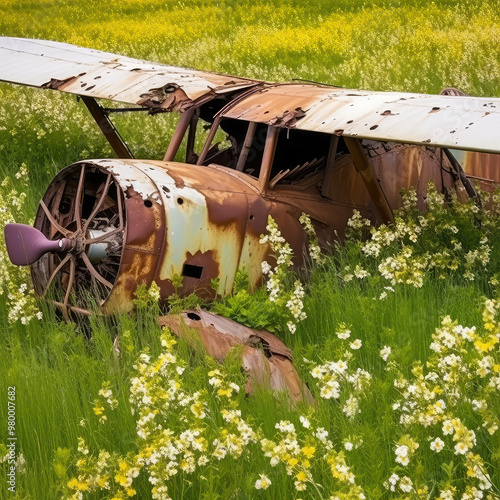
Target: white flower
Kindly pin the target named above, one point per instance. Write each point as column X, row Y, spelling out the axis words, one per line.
column 437, row 445
column 263, row 483
column 448, row 427
column 321, row 434
column 356, row 344
column 266, row 267
column 406, row 484
column 305, row 422
column 344, row 332
column 390, row 484
column 105, row 393
column 384, row 353
column 402, row 455
column 461, row 448
column 348, row 445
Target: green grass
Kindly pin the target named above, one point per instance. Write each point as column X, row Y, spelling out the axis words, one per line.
column 58, row 368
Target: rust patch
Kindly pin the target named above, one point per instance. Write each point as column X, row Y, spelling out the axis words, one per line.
column 288, row 119
column 142, row 225
column 169, row 97
column 208, row 267
column 265, row 358
column 56, row 84
column 231, row 209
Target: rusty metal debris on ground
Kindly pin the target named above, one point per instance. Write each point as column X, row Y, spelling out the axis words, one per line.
column 265, row 358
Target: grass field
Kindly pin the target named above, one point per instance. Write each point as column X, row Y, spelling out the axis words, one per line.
column 404, row 365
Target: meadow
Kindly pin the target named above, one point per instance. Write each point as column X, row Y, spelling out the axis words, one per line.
column 400, row 343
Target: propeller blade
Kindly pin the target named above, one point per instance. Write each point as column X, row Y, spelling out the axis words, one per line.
column 26, row 244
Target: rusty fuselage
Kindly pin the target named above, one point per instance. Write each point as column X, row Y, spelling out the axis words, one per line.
column 204, row 222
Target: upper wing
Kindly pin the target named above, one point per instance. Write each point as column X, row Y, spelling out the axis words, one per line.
column 65, row 67
column 460, row 122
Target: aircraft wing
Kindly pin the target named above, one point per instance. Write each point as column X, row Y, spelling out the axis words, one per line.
column 92, row 73
column 459, row 122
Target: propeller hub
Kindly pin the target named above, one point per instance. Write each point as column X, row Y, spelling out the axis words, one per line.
column 26, row 244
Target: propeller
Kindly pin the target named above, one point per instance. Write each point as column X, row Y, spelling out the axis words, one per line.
column 76, row 244
column 26, row 244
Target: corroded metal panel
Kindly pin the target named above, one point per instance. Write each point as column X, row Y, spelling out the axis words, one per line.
column 88, row 72
column 445, row 121
column 403, row 167
column 480, row 165
column 266, row 360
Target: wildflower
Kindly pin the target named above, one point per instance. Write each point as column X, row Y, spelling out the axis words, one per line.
column 356, row 344
column 321, row 434
column 461, row 448
column 75, row 484
column 351, row 407
column 300, row 486
column 265, row 267
column 263, row 483
column 437, row 445
column 448, row 427
column 402, row 455
column 314, row 249
column 198, row 409
column 391, row 483
column 343, row 332
column 359, row 272
column 384, row 353
column 405, row 484
column 308, row 451
column 301, row 476
column 446, row 495
column 305, row 422
column 224, row 392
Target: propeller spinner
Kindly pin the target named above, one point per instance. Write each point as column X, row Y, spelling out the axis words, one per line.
column 26, row 244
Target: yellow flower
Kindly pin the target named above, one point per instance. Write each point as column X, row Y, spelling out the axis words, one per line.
column 293, row 462
column 121, row 479
column 488, row 345
column 301, row 476
column 74, row 484
column 224, row 392
column 197, row 409
column 102, row 481
column 98, row 410
column 123, row 465
column 308, row 451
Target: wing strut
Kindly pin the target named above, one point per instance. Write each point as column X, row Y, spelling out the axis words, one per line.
column 108, row 129
column 371, row 182
column 469, row 187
